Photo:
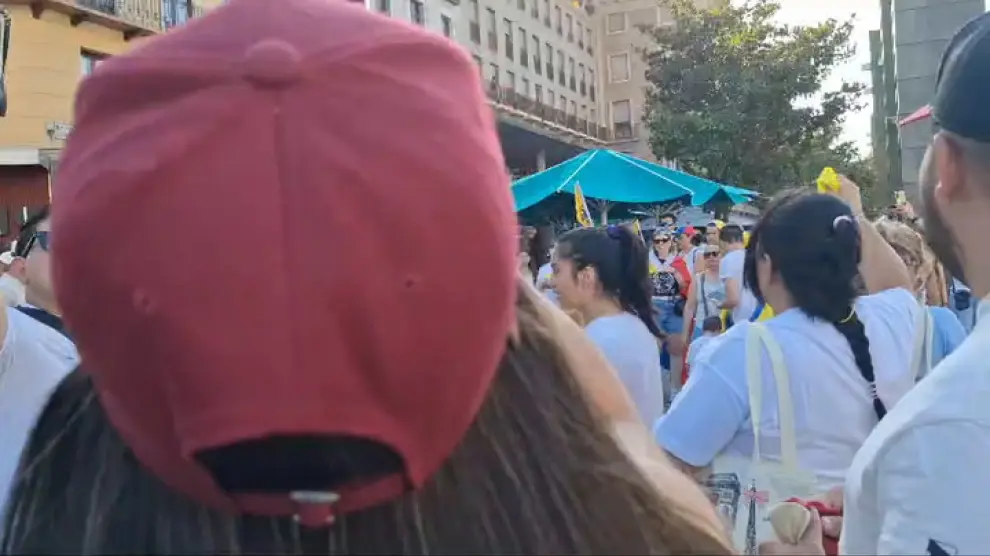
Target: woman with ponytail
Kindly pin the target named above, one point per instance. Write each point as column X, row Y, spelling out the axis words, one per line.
column 602, row 275
column 847, row 353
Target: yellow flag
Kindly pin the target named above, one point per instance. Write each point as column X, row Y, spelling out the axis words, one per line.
column 828, row 181
column 637, row 228
column 766, row 314
column 581, row 212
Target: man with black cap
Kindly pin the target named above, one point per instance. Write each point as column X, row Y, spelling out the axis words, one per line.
column 919, row 483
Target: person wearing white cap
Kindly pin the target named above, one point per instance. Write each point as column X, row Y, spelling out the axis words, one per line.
column 12, row 289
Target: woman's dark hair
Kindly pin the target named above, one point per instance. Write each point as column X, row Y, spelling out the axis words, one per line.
column 622, row 262
column 813, row 243
column 538, row 472
column 712, row 324
column 697, row 240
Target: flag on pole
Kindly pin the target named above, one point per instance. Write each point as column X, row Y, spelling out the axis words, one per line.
column 581, row 212
column 637, row 228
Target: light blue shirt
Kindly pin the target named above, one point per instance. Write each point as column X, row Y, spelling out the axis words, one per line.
column 948, row 333
column 833, row 407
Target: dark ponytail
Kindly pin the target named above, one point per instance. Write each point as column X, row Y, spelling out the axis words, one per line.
column 813, row 242
column 622, row 262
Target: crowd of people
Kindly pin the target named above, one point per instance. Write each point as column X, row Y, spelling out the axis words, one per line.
column 607, row 391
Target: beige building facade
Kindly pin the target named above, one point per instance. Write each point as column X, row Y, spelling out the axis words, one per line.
column 624, row 68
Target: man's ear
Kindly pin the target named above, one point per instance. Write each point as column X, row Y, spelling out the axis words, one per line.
column 18, row 269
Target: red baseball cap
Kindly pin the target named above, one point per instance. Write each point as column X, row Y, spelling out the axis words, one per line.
column 304, row 130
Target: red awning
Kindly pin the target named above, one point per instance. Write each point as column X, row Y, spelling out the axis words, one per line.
column 922, row 113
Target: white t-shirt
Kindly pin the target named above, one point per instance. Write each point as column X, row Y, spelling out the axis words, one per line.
column 33, row 361
column 732, row 267
column 698, row 346
column 833, row 409
column 923, row 476
column 633, row 352
column 544, row 274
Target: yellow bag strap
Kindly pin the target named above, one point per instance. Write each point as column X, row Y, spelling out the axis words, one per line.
column 758, row 338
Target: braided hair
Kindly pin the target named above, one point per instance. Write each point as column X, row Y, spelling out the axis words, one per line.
column 813, row 243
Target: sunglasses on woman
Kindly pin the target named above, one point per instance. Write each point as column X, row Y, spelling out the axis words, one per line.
column 712, row 254
column 664, row 239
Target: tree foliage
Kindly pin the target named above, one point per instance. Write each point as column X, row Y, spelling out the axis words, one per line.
column 738, row 97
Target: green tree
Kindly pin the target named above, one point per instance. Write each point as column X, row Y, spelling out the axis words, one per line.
column 737, row 97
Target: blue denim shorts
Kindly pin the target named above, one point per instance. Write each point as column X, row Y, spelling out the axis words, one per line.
column 669, row 323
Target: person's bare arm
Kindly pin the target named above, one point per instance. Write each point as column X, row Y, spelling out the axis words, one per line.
column 880, row 266
column 690, row 306
column 732, row 293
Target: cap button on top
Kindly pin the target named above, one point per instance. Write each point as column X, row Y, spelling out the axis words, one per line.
column 272, row 63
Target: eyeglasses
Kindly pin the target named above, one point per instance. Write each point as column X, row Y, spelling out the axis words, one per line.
column 40, row 237
column 712, row 254
column 664, row 239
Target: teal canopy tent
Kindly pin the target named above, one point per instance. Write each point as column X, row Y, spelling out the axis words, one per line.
column 619, row 177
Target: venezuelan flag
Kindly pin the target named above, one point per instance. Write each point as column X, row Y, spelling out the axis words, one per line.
column 581, row 212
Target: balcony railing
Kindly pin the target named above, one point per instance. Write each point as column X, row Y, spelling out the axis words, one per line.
column 507, row 97
column 133, row 18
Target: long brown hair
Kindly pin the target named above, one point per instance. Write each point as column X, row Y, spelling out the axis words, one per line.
column 928, row 273
column 539, row 472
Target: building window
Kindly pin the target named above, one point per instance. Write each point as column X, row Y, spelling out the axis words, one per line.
column 549, row 61
column 494, row 75
column 570, row 70
column 557, row 20
column 523, row 48
column 583, row 84
column 594, row 116
column 492, row 31
column 384, row 6
column 546, row 13
column 573, row 111
column 537, row 58
column 591, row 84
column 535, row 9
column 538, row 93
column 570, row 28
column 525, row 87
column 417, row 13
column 475, row 24
column 622, row 119
column 560, row 68
column 510, row 80
column 563, row 104
column 580, row 35
column 447, row 25
column 89, row 60
column 615, row 23
column 550, row 98
column 481, row 65
column 618, row 68
column 175, row 12
column 587, row 39
column 521, row 4
column 510, row 50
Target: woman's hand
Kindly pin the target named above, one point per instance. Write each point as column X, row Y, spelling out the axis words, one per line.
column 809, row 545
column 850, row 193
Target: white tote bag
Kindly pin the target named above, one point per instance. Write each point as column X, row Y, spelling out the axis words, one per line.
column 924, row 339
column 744, row 489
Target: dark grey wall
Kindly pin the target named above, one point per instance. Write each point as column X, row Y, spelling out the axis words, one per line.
column 921, row 30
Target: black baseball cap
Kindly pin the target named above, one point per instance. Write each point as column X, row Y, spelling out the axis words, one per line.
column 962, row 91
